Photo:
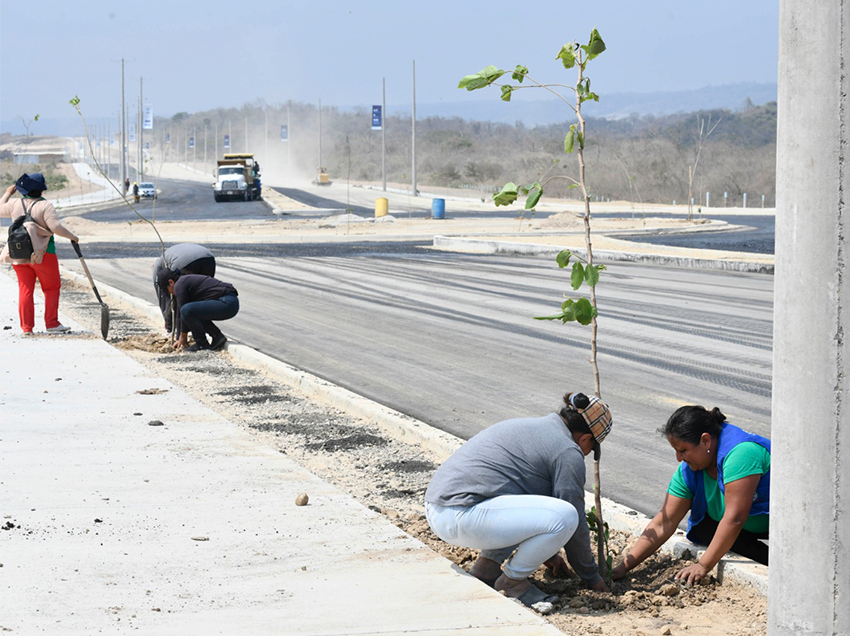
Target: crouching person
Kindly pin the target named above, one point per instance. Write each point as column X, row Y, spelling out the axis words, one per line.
column 515, row 491
column 200, row 300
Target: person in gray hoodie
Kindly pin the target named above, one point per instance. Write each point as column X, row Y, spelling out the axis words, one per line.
column 183, row 258
column 515, row 491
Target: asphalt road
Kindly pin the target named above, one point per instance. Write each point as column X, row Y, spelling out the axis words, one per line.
column 450, row 338
column 188, row 201
column 182, row 201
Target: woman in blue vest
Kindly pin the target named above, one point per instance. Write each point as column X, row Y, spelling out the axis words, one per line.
column 724, row 480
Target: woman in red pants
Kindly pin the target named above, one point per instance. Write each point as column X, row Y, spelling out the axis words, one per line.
column 43, row 264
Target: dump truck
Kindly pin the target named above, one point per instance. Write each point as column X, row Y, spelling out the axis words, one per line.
column 322, row 177
column 237, row 178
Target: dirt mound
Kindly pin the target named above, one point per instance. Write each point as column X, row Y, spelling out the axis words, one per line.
column 149, row 342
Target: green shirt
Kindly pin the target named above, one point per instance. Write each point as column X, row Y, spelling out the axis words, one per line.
column 747, row 458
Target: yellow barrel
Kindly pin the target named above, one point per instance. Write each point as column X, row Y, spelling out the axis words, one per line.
column 382, row 207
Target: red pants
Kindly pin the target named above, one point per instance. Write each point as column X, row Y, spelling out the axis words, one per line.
column 47, row 273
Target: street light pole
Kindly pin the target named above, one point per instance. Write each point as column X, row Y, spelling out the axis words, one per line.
column 141, row 169
column 413, row 143
column 384, row 134
column 123, row 133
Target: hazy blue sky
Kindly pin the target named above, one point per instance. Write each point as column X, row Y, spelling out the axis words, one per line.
column 199, row 55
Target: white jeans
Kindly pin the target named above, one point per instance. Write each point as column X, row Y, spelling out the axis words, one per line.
column 533, row 525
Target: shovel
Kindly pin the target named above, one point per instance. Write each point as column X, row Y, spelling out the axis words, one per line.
column 104, row 308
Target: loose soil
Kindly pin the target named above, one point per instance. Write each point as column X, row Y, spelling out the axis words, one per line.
column 390, row 477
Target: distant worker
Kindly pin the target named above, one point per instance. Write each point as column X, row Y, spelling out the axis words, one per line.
column 200, row 300
column 126, row 185
column 135, row 192
column 42, row 265
column 184, row 258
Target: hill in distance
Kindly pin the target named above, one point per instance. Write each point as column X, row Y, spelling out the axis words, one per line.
column 531, row 112
column 542, row 112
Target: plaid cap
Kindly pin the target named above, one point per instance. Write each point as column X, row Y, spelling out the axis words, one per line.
column 598, row 418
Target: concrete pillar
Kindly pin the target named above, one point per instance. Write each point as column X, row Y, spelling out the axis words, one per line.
column 809, row 577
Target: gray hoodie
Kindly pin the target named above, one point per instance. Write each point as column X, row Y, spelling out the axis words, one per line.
column 525, row 456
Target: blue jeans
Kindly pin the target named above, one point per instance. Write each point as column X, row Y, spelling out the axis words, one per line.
column 536, row 526
column 198, row 316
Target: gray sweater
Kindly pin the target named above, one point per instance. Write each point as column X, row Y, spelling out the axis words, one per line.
column 179, row 256
column 525, row 456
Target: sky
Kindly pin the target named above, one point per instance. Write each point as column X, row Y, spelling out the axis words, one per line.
column 194, row 56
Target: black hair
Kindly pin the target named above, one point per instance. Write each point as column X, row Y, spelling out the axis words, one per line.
column 688, row 423
column 35, row 194
column 575, row 422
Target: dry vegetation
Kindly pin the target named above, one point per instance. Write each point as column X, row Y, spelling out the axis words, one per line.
column 637, row 158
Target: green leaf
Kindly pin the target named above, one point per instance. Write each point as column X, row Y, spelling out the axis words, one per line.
column 555, row 317
column 519, row 73
column 584, row 311
column 569, row 140
column 572, row 185
column 563, row 258
column 591, row 275
column 566, row 55
column 36, row 117
column 580, row 139
column 482, row 78
column 595, row 46
column 506, row 195
column 577, row 277
column 506, row 93
column 568, row 311
column 75, row 100
column 534, row 197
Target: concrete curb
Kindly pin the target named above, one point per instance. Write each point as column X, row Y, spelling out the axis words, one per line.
column 442, row 444
column 493, row 246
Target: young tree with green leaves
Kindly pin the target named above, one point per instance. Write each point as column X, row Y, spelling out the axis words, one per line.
column 583, row 270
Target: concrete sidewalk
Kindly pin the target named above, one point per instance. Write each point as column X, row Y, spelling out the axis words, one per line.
column 115, row 523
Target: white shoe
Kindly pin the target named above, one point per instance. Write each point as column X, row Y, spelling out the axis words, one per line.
column 59, row 329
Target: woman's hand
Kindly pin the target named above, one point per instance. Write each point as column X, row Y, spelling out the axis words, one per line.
column 182, row 342
column 600, row 586
column 620, row 570
column 558, row 567
column 692, row 574
column 11, row 190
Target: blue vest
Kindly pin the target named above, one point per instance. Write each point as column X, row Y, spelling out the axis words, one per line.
column 730, row 437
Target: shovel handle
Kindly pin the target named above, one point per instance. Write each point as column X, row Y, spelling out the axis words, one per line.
column 86, row 270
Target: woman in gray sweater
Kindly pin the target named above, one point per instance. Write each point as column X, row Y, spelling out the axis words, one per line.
column 517, row 488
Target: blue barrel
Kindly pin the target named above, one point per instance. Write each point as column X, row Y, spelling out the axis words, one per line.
column 438, row 209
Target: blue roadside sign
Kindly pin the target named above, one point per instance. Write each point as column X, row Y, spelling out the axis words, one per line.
column 284, row 132
column 377, row 118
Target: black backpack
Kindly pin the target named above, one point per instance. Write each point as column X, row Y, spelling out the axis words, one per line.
column 20, row 243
